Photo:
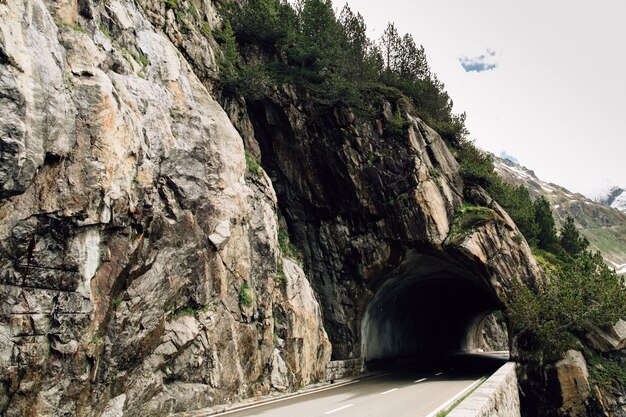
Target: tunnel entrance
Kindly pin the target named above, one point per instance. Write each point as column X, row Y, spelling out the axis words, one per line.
column 428, row 306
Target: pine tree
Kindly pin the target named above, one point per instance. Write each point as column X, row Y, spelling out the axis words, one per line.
column 257, row 20
column 412, row 63
column 319, row 38
column 570, row 239
column 546, row 229
column 354, row 44
column 231, row 60
column 390, row 44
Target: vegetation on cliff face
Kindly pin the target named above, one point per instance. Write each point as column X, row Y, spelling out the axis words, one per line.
column 580, row 295
column 468, row 218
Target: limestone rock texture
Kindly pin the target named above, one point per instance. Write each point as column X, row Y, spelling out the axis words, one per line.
column 138, row 255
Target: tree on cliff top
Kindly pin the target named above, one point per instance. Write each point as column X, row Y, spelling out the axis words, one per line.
column 318, row 38
column 309, row 47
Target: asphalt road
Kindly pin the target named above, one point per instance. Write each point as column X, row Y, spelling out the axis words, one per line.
column 399, row 391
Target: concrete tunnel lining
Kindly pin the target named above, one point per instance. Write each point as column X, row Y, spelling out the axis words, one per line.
column 426, row 306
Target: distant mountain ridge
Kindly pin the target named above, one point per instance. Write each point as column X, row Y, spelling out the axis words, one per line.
column 601, row 222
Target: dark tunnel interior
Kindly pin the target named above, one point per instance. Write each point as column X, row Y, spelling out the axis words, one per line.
column 428, row 306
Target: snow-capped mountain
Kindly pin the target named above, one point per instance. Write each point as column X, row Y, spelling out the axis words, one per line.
column 616, row 198
column 601, row 222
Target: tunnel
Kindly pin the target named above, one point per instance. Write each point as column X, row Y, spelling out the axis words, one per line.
column 429, row 305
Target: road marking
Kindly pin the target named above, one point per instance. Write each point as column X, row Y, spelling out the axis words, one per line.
column 421, row 380
column 387, row 392
column 451, row 401
column 339, row 409
column 278, row 400
column 439, row 373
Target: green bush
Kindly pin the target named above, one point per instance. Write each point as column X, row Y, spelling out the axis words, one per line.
column 246, row 295
column 170, row 4
column 187, row 311
column 475, row 166
column 396, row 125
column 577, row 296
column 467, row 219
column 280, row 278
column 287, row 248
column 78, row 28
column 607, row 373
column 253, row 167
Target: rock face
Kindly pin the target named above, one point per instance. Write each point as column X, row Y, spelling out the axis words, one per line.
column 495, row 336
column 372, row 213
column 138, row 256
column 609, row 339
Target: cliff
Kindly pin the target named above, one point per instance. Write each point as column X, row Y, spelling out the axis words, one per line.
column 139, row 263
column 145, row 255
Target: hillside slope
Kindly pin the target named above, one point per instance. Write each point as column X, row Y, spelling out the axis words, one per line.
column 604, row 226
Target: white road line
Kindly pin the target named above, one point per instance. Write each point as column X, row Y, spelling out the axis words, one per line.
column 339, row 409
column 387, row 392
column 439, row 373
column 278, row 400
column 421, row 380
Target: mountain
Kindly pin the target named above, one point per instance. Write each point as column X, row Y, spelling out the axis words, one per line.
column 603, row 224
column 616, row 198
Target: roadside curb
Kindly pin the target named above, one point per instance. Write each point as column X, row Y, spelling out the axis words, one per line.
column 224, row 410
column 451, row 401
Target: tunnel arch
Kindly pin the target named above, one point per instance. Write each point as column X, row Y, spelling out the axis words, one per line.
column 429, row 305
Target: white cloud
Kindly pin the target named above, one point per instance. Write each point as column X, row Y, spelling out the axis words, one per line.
column 480, row 63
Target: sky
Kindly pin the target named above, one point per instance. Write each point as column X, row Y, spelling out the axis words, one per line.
column 543, row 82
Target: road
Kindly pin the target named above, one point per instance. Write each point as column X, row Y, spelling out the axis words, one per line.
column 407, row 391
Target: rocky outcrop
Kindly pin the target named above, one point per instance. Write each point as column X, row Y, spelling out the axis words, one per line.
column 372, row 212
column 140, row 272
column 608, row 339
column 573, row 378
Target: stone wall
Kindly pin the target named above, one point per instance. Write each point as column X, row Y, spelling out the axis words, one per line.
column 340, row 369
column 498, row 396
